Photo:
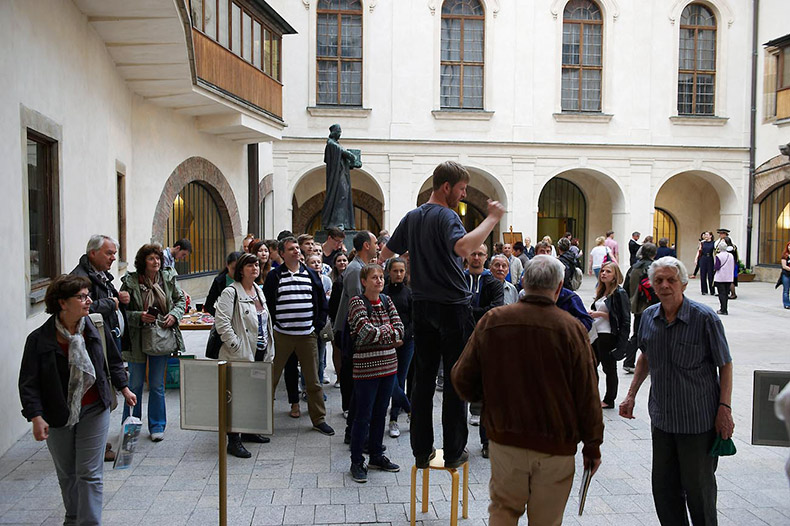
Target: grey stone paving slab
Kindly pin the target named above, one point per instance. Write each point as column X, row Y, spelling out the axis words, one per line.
column 268, row 515
column 299, row 514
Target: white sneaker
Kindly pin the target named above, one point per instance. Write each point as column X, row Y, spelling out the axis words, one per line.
column 474, row 420
column 158, row 436
column 337, row 384
column 394, row 429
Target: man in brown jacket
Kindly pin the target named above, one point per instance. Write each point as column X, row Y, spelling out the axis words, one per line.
column 551, row 404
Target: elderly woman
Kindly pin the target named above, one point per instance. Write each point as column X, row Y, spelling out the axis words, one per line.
column 154, row 299
column 245, row 327
column 64, row 386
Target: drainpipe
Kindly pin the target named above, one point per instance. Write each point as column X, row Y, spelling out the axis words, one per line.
column 752, row 135
column 253, row 216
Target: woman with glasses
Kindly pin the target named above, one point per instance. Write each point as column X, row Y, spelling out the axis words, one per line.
column 154, row 298
column 65, row 391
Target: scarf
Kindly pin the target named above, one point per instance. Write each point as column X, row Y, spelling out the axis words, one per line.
column 82, row 375
column 153, row 294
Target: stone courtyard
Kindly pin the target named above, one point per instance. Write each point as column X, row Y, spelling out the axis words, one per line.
column 301, row 477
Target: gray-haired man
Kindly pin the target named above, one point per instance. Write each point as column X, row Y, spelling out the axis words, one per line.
column 685, row 351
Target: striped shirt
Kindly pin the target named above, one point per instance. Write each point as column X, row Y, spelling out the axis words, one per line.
column 294, row 309
column 683, row 358
column 374, row 337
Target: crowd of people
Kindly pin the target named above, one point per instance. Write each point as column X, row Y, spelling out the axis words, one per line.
column 398, row 312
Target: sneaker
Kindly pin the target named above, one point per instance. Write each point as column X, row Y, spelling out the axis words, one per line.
column 157, row 436
column 326, row 380
column 423, row 462
column 237, row 449
column 628, row 370
column 721, row 312
column 324, row 428
column 258, row 439
column 337, row 384
column 394, row 429
column 474, row 420
column 384, row 464
column 457, row 463
column 485, row 451
column 359, row 473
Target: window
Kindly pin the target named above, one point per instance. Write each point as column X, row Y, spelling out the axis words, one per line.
column 121, row 198
column 697, row 63
column 783, row 79
column 582, row 56
column 195, row 216
column 42, row 185
column 770, row 84
column 339, row 52
column 664, row 226
column 238, row 29
column 462, row 54
column 562, row 208
column 774, row 225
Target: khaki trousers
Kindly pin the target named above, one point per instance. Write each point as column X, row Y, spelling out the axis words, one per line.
column 523, row 477
column 306, row 349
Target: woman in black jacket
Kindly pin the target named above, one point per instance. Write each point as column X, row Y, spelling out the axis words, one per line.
column 400, row 294
column 611, row 315
column 66, row 394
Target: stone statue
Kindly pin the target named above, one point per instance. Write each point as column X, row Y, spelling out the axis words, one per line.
column 338, row 209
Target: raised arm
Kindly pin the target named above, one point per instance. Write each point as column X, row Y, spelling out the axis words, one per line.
column 467, row 244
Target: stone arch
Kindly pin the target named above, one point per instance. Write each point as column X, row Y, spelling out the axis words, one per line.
column 770, row 175
column 583, row 177
column 724, row 188
column 360, row 178
column 265, row 186
column 480, row 179
column 721, row 9
column 304, row 213
column 609, row 8
column 204, row 171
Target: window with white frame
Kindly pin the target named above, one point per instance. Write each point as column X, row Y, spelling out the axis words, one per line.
column 462, row 54
column 582, row 56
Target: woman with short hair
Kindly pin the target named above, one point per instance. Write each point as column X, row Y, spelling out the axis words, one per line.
column 66, row 393
column 155, row 298
column 243, row 324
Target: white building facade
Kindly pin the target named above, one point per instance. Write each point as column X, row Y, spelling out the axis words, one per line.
column 584, row 116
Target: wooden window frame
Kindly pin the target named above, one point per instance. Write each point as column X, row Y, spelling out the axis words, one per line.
column 53, row 206
column 694, row 72
column 339, row 59
column 783, row 51
column 249, row 11
column 463, row 62
column 581, row 68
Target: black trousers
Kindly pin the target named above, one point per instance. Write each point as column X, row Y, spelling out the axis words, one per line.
column 346, row 378
column 723, row 290
column 684, row 477
column 440, row 332
column 633, row 344
column 291, row 374
column 706, row 274
column 602, row 347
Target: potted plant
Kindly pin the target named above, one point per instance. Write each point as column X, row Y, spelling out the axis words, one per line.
column 745, row 275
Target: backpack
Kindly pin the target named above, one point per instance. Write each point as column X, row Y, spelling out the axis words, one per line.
column 576, row 280
column 347, row 337
column 646, row 291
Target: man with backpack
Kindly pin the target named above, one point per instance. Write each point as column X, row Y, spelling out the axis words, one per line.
column 642, row 295
column 573, row 274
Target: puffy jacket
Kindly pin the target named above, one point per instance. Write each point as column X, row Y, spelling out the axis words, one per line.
column 239, row 330
column 176, row 303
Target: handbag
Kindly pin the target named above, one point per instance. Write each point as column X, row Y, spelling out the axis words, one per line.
column 327, row 334
column 98, row 321
column 159, row 340
column 214, row 343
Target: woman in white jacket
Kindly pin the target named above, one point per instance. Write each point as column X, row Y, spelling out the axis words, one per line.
column 245, row 327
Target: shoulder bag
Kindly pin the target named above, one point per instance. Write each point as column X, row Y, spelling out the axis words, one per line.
column 214, row 342
column 159, row 340
column 98, row 321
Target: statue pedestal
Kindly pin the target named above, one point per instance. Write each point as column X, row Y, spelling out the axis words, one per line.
column 321, row 236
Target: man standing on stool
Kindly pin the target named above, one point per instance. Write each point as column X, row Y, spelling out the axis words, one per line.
column 437, row 244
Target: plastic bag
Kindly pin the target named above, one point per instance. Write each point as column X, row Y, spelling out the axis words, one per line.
column 130, row 431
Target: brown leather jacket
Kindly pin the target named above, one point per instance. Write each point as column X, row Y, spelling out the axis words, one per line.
column 532, row 366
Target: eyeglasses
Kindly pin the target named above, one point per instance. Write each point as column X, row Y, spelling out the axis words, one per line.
column 82, row 297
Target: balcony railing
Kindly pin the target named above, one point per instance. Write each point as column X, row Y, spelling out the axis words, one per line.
column 232, row 74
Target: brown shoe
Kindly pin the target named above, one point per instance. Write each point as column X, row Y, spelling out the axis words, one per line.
column 109, row 454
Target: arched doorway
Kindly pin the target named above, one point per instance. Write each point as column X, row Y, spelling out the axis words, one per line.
column 664, row 225
column 470, row 212
column 562, row 208
column 198, row 203
column 774, row 232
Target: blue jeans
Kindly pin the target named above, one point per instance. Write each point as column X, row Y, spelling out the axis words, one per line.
column 371, row 398
column 399, row 399
column 78, row 454
column 157, row 414
column 785, row 290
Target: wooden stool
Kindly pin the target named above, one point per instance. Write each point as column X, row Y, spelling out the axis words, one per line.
column 438, row 463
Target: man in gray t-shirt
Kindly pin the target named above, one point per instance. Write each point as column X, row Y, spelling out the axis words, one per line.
column 437, row 243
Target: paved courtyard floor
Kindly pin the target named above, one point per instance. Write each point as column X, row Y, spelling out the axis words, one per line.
column 301, row 477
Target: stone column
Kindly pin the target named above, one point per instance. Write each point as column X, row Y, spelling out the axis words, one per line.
column 282, row 200
column 523, row 208
column 640, row 200
column 401, row 184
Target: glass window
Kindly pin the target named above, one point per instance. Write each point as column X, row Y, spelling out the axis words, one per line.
column 275, row 56
column 774, row 225
column 197, row 13
column 210, row 18
column 664, row 226
column 246, row 37
column 222, row 16
column 256, row 43
column 195, row 216
column 582, row 57
column 462, row 54
column 267, row 51
column 784, row 58
column 338, row 51
column 235, row 29
column 697, row 61
column 41, row 182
